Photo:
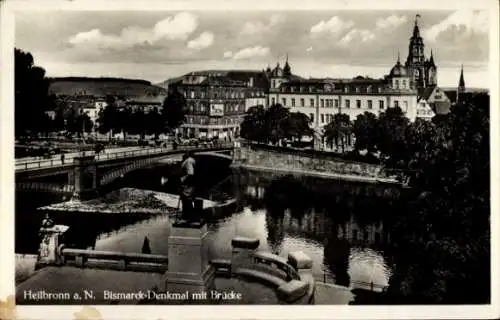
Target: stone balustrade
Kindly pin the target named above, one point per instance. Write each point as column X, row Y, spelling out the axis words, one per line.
column 292, row 278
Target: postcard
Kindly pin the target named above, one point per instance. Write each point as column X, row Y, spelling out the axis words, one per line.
column 227, row 159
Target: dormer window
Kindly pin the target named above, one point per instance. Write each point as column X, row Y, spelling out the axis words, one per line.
column 357, row 89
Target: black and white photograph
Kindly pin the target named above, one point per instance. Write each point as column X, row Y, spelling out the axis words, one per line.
column 249, row 154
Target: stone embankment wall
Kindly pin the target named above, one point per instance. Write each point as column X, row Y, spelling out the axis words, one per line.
column 280, row 160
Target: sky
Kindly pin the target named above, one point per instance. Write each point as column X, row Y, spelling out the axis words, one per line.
column 155, row 46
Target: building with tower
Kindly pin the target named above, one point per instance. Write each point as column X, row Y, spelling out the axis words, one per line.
column 422, row 71
column 461, row 86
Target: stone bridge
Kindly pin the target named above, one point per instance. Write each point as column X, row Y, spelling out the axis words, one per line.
column 88, row 172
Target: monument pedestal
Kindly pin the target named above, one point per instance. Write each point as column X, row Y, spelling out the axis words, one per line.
column 189, row 270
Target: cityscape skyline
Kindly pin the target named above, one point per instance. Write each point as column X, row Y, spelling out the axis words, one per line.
column 156, row 46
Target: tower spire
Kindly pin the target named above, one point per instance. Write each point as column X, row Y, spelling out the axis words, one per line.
column 398, row 58
column 461, row 86
column 461, row 82
column 416, row 30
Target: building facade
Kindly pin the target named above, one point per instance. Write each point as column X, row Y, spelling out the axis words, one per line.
column 216, row 101
column 320, row 99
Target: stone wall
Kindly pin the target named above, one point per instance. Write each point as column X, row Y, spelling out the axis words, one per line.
column 290, row 161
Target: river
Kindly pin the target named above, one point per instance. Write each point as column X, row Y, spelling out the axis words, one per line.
column 344, row 251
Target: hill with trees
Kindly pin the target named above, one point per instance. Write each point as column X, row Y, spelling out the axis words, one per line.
column 102, row 87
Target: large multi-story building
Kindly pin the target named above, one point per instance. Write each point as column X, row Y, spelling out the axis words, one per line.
column 217, row 100
column 320, row 99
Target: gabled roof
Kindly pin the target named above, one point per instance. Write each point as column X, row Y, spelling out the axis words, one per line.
column 426, row 92
column 441, row 107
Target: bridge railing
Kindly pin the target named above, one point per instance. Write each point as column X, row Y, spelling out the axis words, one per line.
column 48, row 163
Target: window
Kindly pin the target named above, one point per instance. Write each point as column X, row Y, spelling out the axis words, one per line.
column 311, row 116
column 396, row 104
column 292, row 89
column 397, row 83
column 322, row 118
column 370, row 104
column 358, row 104
column 215, row 95
column 302, row 103
column 405, row 106
column 404, row 84
column 283, row 100
column 379, row 89
column 311, row 89
column 347, row 104
column 322, row 103
column 346, row 89
column 273, row 101
column 381, row 104
column 312, row 102
column 336, row 103
column 192, row 94
column 273, row 84
column 357, row 89
column 293, row 102
column 369, row 89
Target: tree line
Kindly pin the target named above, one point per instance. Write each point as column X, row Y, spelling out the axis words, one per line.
column 273, row 125
column 440, row 228
column 32, row 101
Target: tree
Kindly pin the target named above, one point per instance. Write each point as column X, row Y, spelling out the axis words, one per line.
column 276, row 119
column 254, row 126
column 108, row 117
column 444, row 234
column 174, row 109
column 365, row 131
column 155, row 122
column 31, row 94
column 296, row 126
column 391, row 136
column 338, row 130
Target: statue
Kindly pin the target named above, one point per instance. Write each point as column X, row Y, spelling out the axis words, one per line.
column 187, row 189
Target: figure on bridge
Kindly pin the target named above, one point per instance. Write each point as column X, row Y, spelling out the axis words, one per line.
column 188, row 190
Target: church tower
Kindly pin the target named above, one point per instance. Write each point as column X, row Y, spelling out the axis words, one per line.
column 461, row 87
column 430, row 72
column 287, row 71
column 415, row 62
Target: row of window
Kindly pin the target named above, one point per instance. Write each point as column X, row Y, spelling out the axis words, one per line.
column 212, row 121
column 427, row 112
column 227, row 108
column 330, row 103
column 331, row 87
column 221, row 95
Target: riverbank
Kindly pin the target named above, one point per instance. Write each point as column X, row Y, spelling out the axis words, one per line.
column 126, row 200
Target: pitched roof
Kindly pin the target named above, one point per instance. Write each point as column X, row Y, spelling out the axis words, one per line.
column 441, row 107
column 426, row 92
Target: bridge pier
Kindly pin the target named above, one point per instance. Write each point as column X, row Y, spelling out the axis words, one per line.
column 84, row 177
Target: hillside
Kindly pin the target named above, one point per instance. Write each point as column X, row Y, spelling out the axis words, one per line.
column 100, row 87
column 167, row 82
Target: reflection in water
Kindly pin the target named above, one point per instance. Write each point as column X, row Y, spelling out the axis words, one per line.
column 285, row 217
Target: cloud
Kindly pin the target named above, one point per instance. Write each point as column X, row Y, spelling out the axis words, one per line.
column 205, row 40
column 258, row 27
column 361, row 35
column 228, row 54
column 392, row 21
column 309, row 49
column 177, row 27
column 250, row 52
column 466, row 22
column 335, row 26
